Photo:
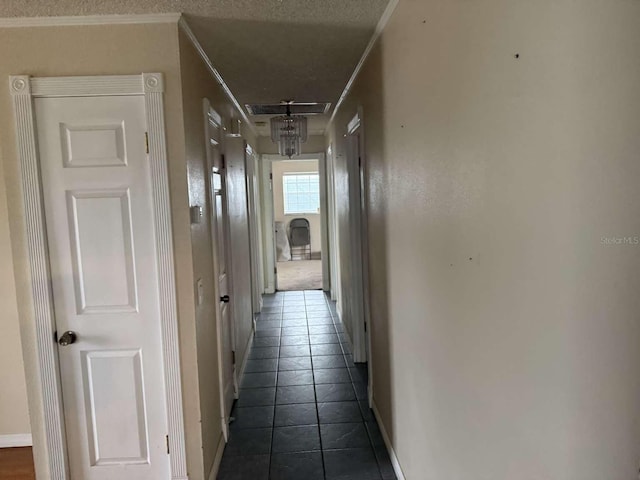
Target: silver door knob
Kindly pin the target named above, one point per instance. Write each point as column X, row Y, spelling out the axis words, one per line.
column 67, row 338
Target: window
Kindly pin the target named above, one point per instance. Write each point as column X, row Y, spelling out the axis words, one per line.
column 301, row 193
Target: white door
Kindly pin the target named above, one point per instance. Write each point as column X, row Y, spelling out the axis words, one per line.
column 99, row 216
column 219, row 223
column 356, row 289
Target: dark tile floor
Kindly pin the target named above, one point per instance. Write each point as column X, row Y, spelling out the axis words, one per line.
column 302, row 413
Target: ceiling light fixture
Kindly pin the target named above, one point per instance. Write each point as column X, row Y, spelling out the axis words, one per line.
column 289, row 132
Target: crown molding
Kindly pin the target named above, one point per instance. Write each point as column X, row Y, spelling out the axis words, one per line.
column 128, row 19
column 384, row 19
column 182, row 23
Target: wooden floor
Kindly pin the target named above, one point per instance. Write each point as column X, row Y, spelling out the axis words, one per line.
column 16, row 464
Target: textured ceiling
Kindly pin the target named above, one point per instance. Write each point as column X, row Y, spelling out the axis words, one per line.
column 266, row 50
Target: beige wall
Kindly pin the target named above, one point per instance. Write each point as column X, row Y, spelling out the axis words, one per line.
column 14, row 414
column 97, row 50
column 505, row 333
column 197, row 84
column 278, row 168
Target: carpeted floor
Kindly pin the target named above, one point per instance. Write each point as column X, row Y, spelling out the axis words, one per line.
column 300, row 275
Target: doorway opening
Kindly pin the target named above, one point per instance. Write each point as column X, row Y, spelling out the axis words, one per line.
column 297, row 225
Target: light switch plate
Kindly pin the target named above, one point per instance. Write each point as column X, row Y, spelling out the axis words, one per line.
column 196, row 214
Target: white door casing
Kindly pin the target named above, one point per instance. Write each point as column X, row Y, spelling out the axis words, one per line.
column 268, row 228
column 220, row 232
column 334, row 265
column 111, row 264
column 268, row 218
column 356, row 164
column 324, row 226
column 253, row 194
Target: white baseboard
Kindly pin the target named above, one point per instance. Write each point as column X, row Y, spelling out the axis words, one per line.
column 345, row 332
column 392, row 454
column 216, row 461
column 19, row 440
column 246, row 356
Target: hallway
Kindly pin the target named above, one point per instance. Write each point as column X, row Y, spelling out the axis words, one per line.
column 302, row 412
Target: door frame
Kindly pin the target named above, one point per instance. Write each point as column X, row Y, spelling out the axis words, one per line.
column 268, row 225
column 359, row 242
column 23, row 90
column 213, row 118
column 332, row 228
column 255, row 232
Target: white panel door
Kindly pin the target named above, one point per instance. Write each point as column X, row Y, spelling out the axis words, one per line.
column 220, row 221
column 240, row 251
column 99, row 215
column 226, row 341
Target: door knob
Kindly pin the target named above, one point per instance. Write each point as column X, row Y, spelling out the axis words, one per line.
column 67, row 338
column 224, row 299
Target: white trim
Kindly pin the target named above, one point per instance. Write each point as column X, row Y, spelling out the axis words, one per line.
column 150, row 85
column 16, row 440
column 212, row 120
column 392, row 454
column 358, row 300
column 268, row 234
column 384, row 19
column 334, row 266
column 62, row 21
column 353, row 124
column 243, row 366
column 358, row 128
column 153, row 94
column 349, row 342
column 87, row 86
column 182, row 23
column 255, row 229
column 218, row 458
column 324, row 227
column 35, row 230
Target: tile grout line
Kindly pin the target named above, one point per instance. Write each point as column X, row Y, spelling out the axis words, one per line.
column 352, row 383
column 282, row 306
column 275, row 398
column 315, row 393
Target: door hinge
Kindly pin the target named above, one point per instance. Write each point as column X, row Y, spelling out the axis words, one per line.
column 167, row 444
column 55, row 336
column 233, row 356
column 365, row 326
column 223, row 162
column 271, row 176
column 146, row 142
column 275, row 270
column 359, row 161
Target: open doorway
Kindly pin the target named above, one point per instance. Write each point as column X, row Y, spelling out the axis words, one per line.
column 297, row 224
